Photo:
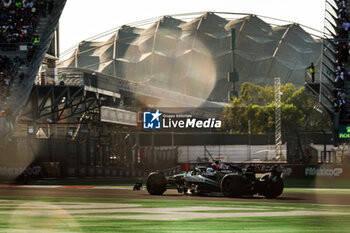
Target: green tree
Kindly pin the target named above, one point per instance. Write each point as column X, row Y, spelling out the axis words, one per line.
column 256, row 103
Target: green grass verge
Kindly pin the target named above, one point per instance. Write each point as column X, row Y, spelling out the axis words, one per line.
column 171, row 203
column 260, row 224
column 68, row 223
column 100, row 222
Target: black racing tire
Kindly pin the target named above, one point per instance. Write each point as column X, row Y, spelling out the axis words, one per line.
column 233, row 185
column 201, row 193
column 274, row 187
column 156, row 183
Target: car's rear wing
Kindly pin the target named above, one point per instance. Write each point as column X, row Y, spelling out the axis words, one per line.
column 264, row 168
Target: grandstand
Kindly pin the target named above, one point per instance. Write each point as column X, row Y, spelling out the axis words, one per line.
column 27, row 29
column 334, row 84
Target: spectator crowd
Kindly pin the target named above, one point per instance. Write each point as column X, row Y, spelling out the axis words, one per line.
column 8, row 70
column 18, row 22
column 342, row 54
column 19, row 18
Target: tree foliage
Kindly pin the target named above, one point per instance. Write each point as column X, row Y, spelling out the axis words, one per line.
column 256, row 103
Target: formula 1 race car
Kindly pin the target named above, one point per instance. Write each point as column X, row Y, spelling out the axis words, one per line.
column 229, row 180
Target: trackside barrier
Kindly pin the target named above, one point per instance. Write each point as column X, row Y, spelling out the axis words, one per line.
column 34, row 171
column 329, row 171
column 53, row 170
column 172, row 171
column 299, row 171
column 113, row 171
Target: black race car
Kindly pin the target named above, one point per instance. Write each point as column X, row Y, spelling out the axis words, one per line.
column 229, row 180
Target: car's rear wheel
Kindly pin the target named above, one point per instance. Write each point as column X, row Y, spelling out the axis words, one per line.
column 156, row 183
column 274, row 186
column 232, row 185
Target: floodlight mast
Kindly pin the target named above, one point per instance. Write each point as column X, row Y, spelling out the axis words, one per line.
column 278, row 130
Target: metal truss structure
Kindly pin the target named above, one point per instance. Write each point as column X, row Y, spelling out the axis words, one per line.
column 61, row 102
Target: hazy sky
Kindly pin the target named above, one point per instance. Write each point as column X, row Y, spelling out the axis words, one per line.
column 82, row 19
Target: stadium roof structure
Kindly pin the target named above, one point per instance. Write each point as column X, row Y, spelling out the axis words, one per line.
column 193, row 56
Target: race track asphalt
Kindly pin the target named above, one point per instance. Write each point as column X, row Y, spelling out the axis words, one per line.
column 91, row 192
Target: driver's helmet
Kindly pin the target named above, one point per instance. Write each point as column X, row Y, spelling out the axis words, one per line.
column 210, row 170
column 215, row 165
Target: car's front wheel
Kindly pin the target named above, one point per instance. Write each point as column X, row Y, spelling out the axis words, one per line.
column 156, row 183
